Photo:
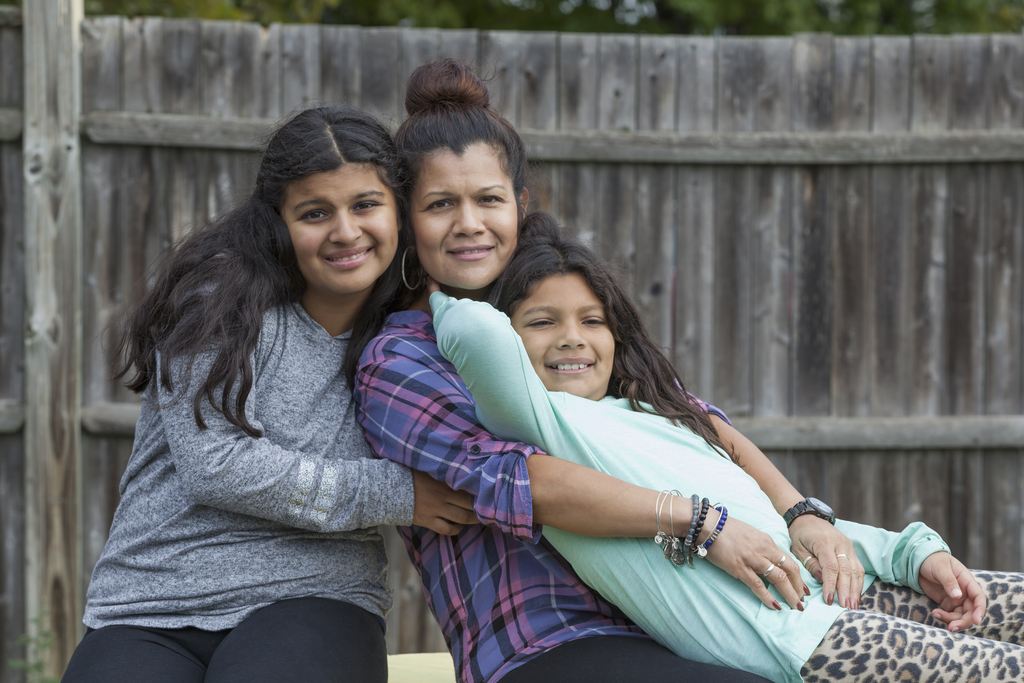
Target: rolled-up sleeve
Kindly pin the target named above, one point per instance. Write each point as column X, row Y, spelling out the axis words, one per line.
column 415, row 410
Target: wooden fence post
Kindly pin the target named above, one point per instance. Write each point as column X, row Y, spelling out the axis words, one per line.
column 53, row 245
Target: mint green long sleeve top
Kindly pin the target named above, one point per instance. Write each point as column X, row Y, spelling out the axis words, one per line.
column 700, row 613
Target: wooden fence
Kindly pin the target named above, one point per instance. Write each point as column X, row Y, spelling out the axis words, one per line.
column 827, row 233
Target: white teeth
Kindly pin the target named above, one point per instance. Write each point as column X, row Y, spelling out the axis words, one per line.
column 346, row 258
column 571, row 366
column 473, row 251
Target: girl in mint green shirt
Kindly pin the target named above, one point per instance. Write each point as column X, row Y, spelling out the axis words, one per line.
column 582, row 381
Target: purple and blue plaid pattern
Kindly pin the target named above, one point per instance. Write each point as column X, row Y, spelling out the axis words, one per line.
column 501, row 594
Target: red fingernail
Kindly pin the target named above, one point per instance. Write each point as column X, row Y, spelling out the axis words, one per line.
column 828, row 599
column 776, row 605
column 807, row 591
column 800, row 606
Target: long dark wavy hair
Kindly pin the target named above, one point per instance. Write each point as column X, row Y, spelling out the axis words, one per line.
column 640, row 371
column 449, row 109
column 211, row 290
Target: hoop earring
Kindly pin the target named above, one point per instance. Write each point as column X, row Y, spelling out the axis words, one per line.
column 404, row 280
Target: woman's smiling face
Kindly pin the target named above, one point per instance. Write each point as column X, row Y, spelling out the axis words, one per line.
column 465, row 219
column 564, row 328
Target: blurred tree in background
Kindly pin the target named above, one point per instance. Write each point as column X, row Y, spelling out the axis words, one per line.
column 730, row 17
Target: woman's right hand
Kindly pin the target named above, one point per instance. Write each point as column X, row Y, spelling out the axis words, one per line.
column 746, row 553
column 439, row 507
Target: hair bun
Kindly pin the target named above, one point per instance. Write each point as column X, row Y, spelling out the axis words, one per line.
column 445, row 84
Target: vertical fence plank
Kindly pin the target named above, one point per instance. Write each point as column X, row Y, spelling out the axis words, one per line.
column 499, row 64
column 656, row 188
column 851, row 369
column 141, row 209
column 771, row 239
column 267, row 101
column 184, row 174
column 970, row 62
column 12, row 364
column 340, row 66
column 538, row 109
column 461, row 44
column 300, row 65
column 929, row 224
column 736, row 204
column 852, row 319
column 889, row 246
column 577, row 109
column 1004, row 326
column 226, row 78
column 417, row 46
column 693, row 325
column 1002, row 510
column 616, row 110
column 53, row 335
column 812, row 262
column 380, row 88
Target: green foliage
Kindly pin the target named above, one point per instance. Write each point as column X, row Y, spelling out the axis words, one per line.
column 38, row 648
column 729, row 17
column 852, row 17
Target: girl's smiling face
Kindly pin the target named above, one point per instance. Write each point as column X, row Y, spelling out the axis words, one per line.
column 344, row 229
column 465, row 219
column 565, row 330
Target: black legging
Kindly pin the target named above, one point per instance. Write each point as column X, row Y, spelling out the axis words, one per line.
column 620, row 659
column 306, row 640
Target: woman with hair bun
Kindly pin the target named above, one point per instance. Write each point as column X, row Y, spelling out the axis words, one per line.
column 509, row 605
column 245, row 544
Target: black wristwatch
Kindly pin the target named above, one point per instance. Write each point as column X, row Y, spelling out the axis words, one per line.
column 810, row 506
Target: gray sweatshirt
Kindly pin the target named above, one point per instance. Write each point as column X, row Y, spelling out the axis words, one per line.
column 214, row 524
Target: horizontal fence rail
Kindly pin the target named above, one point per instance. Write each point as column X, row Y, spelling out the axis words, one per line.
column 594, row 146
column 797, row 433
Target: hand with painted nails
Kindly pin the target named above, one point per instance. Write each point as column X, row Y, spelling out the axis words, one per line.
column 751, row 556
column 828, row 555
column 948, row 582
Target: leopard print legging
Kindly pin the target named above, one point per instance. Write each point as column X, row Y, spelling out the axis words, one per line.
column 894, row 637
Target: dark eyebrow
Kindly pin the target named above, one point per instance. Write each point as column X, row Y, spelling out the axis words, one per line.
column 447, row 193
column 321, row 200
column 544, row 309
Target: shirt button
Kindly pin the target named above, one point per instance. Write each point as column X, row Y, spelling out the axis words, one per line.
column 475, row 450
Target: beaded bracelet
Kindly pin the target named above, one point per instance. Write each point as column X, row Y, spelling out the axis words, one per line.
column 702, row 550
column 705, row 505
column 695, row 499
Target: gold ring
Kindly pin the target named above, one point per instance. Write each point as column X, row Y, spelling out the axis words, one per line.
column 768, row 571
column 805, row 560
column 842, row 555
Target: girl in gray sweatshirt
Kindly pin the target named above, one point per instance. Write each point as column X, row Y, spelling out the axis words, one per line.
column 245, row 545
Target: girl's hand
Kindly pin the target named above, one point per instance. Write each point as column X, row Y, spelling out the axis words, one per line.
column 948, row 582
column 830, row 558
column 439, row 507
column 747, row 553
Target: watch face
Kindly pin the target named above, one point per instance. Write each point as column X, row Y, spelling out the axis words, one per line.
column 820, row 506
